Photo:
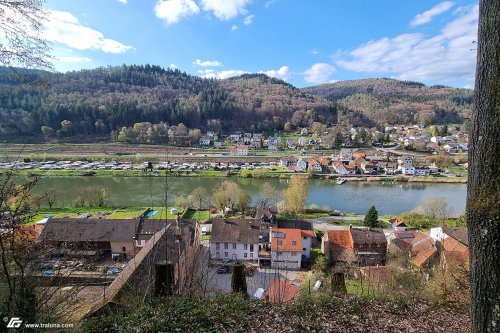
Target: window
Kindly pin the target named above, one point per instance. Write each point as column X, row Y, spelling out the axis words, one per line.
column 303, row 249
column 217, row 255
column 294, row 243
column 280, row 254
column 294, row 254
column 245, row 246
column 225, row 254
column 251, row 247
column 245, row 254
column 280, row 242
column 225, row 245
column 217, row 246
column 304, row 238
column 234, row 246
column 251, row 254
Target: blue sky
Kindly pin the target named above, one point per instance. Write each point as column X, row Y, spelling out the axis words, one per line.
column 304, row 42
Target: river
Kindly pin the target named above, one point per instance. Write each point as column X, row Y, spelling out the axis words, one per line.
column 351, row 197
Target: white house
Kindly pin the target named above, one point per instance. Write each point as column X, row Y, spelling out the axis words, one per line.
column 235, row 239
column 289, row 247
column 315, row 165
column 301, row 165
column 204, row 141
column 422, row 171
column 240, row 150
column 210, row 134
column 302, row 141
column 287, row 161
column 340, row 168
column 407, row 169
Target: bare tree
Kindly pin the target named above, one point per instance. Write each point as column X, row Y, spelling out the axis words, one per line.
column 199, row 195
column 21, row 41
column 483, row 188
column 268, row 195
column 436, row 207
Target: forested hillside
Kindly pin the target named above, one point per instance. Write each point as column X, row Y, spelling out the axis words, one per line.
column 380, row 101
column 99, row 101
column 165, row 103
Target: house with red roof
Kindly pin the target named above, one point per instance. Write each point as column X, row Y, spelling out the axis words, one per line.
column 290, row 248
column 361, row 246
column 453, row 243
column 281, row 291
column 397, row 224
column 417, row 245
column 315, row 165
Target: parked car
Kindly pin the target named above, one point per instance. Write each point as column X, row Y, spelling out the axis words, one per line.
column 224, row 270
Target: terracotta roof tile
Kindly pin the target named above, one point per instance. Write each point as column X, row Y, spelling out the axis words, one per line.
column 291, row 240
column 281, row 291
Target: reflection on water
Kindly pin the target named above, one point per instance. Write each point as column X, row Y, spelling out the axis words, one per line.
column 354, row 197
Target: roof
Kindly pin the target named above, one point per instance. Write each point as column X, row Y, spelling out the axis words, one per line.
column 424, row 256
column 368, row 236
column 240, row 231
column 397, row 222
column 341, row 245
column 288, row 240
column 307, row 233
column 295, row 224
column 281, row 291
column 340, row 238
column 460, row 234
column 264, row 213
column 451, row 244
column 89, row 230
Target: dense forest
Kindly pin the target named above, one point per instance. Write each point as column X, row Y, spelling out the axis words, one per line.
column 107, row 101
column 380, row 101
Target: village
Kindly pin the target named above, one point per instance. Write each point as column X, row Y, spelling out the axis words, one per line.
column 101, row 261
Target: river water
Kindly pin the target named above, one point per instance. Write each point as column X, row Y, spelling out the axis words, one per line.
column 351, row 197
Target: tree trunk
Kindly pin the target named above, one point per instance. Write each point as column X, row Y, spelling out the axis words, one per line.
column 338, row 284
column 483, row 190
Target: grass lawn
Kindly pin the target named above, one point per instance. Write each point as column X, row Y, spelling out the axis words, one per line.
column 131, row 213
column 162, row 214
column 200, row 216
column 355, row 287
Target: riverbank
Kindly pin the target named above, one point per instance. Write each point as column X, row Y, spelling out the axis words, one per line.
column 237, row 174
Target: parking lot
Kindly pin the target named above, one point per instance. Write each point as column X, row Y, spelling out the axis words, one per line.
column 261, row 279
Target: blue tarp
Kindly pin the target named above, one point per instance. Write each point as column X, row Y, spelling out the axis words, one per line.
column 151, row 213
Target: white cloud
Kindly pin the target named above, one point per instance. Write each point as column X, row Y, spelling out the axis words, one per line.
column 171, row 11
column 282, row 73
column 74, row 59
column 207, row 63
column 234, row 28
column 123, row 1
column 428, row 15
column 173, row 66
column 269, row 3
column 314, row 51
column 248, row 20
column 223, row 74
column 444, row 57
column 225, row 9
column 65, row 28
column 319, row 73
